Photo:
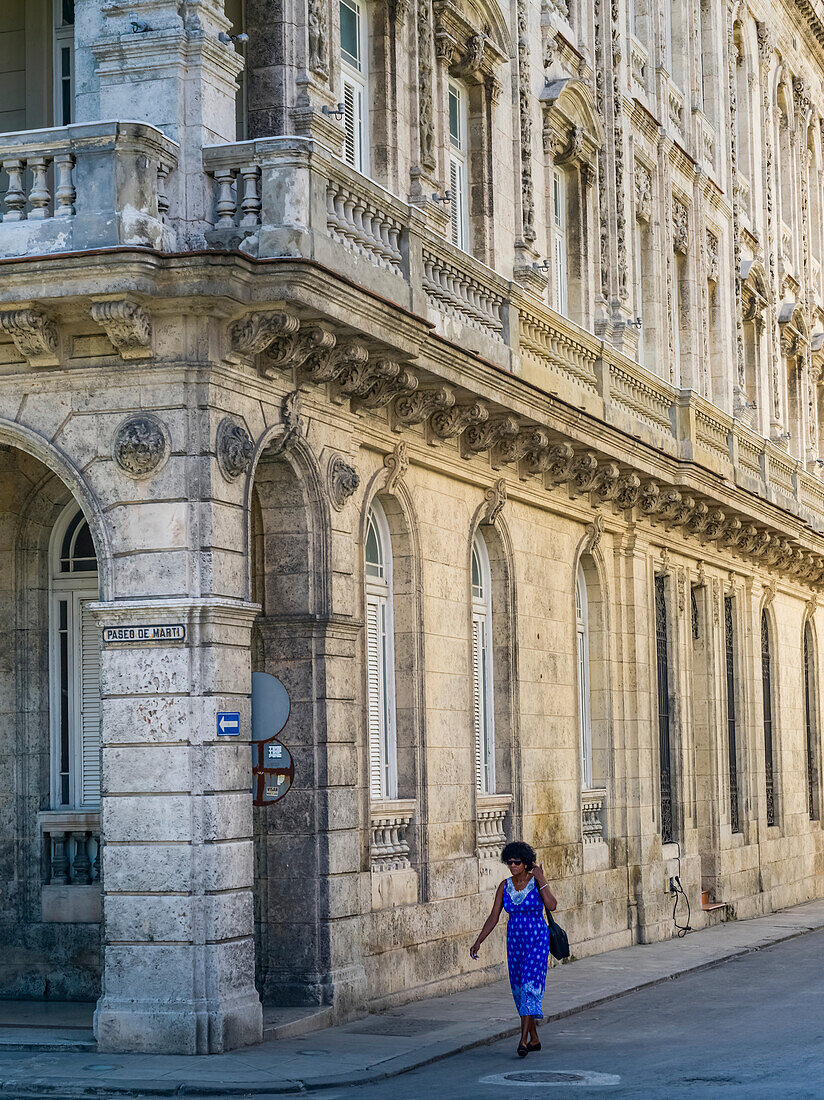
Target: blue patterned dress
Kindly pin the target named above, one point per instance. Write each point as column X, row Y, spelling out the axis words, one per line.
column 527, row 947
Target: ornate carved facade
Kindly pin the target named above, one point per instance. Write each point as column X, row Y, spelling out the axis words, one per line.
column 505, row 518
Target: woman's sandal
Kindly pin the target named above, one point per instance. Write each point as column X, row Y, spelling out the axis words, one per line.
column 522, row 1051
column 533, row 1047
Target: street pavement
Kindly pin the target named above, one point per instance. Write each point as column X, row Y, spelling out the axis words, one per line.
column 752, row 1027
column 699, row 1026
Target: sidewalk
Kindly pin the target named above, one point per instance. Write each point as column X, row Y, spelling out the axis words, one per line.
column 390, row 1043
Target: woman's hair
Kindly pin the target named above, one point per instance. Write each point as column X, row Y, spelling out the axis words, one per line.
column 517, row 849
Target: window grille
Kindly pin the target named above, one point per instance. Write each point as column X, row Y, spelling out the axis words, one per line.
column 732, row 750
column 766, row 695
column 662, row 652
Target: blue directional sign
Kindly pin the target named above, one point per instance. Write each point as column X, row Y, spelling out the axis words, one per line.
column 228, row 723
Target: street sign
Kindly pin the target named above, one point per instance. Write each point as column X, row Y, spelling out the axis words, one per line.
column 273, row 767
column 158, row 632
column 228, row 723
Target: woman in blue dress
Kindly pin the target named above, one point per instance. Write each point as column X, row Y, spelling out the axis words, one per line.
column 525, row 896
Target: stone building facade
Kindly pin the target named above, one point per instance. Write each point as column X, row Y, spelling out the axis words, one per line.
column 459, row 364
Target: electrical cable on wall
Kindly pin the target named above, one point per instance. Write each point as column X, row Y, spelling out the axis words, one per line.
column 678, row 891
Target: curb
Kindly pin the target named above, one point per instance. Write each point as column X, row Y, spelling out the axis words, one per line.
column 55, row 1087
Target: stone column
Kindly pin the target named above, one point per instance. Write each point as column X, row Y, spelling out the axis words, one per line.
column 176, row 829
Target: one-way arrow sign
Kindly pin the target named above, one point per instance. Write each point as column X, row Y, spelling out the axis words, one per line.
column 228, row 723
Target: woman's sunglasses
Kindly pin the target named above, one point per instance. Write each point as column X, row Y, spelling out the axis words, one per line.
column 514, row 862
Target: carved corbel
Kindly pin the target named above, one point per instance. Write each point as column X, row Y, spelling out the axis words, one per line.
column 327, row 366
column 769, row 594
column 584, row 473
column 528, row 441
column 385, row 390
column 359, row 376
column 293, row 346
column 670, row 506
column 699, row 518
column 451, row 422
column 560, row 459
column 715, row 523
column 607, row 482
column 649, row 500
column 414, row 408
column 34, row 335
column 731, row 533
column 127, row 325
column 761, row 545
column 254, row 333
column 495, row 498
column 483, row 436
column 629, row 492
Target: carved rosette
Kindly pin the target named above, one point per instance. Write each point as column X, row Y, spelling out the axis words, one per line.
column 34, row 335
column 127, row 325
column 342, row 481
column 234, row 448
column 140, row 445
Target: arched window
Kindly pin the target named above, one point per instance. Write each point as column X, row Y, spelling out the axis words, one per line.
column 766, row 695
column 75, row 666
column 810, row 723
column 380, row 657
column 354, row 83
column 584, row 715
column 483, row 705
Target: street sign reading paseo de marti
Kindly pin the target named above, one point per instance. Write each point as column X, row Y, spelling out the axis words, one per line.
column 273, row 768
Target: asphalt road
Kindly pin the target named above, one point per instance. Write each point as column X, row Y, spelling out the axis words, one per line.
column 752, row 1027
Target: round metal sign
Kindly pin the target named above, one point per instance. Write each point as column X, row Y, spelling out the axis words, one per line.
column 273, row 766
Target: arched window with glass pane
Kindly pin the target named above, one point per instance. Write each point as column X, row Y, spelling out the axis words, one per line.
column 380, row 657
column 483, row 684
column 75, row 666
column 584, row 716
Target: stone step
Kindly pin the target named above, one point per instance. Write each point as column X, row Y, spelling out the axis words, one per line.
column 47, row 1039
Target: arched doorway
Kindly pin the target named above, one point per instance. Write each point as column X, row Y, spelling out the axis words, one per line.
column 50, row 696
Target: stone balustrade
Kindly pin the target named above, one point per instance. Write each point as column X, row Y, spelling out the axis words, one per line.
column 491, row 822
column 71, row 845
column 592, row 815
column 91, row 185
column 390, row 821
column 287, row 197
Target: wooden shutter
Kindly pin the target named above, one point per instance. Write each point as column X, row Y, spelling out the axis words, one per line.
column 376, row 692
column 478, row 703
column 89, row 666
column 352, row 123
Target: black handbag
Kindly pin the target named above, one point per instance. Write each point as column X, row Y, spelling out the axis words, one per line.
column 558, row 940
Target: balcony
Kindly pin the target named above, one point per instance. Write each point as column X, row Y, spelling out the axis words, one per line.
column 284, row 197
column 83, row 187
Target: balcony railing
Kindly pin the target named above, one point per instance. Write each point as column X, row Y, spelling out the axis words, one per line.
column 281, row 197
column 390, row 821
column 87, row 186
column 491, row 826
column 71, row 841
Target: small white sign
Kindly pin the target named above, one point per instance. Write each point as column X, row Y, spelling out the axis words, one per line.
column 160, row 632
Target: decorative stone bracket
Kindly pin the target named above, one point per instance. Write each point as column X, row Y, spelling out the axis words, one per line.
column 313, row 350
column 127, row 325
column 34, row 335
column 468, row 49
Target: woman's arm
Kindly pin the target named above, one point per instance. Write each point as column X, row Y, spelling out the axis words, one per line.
column 548, row 898
column 491, row 921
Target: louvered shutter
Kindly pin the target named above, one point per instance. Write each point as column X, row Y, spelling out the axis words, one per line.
column 352, row 123
column 376, row 692
column 560, row 273
column 478, row 702
column 89, row 707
